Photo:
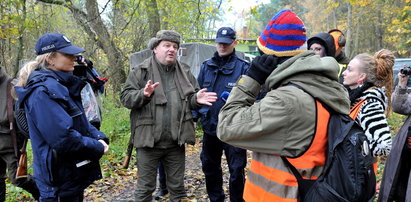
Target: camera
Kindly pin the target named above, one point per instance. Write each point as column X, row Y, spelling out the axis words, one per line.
column 79, row 59
column 80, row 69
column 406, row 70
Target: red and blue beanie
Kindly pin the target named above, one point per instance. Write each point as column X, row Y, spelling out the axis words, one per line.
column 285, row 35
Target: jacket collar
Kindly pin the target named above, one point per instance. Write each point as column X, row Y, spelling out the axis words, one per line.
column 71, row 82
column 226, row 68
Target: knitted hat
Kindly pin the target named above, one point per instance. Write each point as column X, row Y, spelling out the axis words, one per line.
column 324, row 39
column 164, row 35
column 283, row 36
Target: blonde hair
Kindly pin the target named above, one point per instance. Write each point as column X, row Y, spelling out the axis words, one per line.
column 23, row 75
column 379, row 70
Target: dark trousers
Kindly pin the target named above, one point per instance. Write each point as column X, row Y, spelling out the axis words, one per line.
column 162, row 177
column 173, row 160
column 211, row 163
column 8, row 161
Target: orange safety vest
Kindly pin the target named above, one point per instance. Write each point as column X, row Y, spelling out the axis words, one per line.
column 269, row 179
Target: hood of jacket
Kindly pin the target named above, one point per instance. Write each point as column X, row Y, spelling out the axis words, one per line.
column 325, row 40
column 59, row 84
column 318, row 76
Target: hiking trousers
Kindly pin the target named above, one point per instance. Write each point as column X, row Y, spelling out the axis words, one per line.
column 211, row 154
column 173, row 160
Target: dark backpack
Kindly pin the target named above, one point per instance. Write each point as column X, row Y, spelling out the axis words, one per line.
column 348, row 173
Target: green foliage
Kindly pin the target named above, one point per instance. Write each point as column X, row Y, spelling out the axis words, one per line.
column 116, row 126
column 395, row 122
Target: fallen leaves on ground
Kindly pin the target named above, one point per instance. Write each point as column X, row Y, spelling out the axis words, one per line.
column 120, row 184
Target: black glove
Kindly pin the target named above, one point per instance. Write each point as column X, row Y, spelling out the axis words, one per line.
column 261, row 67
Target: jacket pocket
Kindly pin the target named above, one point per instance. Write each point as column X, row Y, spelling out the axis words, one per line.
column 144, row 133
column 187, row 130
column 47, row 168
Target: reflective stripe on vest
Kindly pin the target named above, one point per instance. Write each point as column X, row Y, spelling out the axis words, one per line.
column 269, row 179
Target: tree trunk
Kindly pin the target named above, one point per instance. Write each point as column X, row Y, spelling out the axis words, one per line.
column 114, row 55
column 348, row 34
column 97, row 31
column 20, row 39
column 154, row 18
column 379, row 30
column 357, row 32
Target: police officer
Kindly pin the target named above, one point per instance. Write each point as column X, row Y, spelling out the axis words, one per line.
column 219, row 75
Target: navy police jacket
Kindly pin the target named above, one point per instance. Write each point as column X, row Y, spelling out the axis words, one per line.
column 218, row 79
column 61, row 137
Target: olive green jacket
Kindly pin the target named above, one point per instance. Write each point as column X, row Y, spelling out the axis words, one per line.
column 284, row 121
column 146, row 115
column 6, row 139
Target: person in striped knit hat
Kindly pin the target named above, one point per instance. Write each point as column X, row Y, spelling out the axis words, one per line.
column 282, row 123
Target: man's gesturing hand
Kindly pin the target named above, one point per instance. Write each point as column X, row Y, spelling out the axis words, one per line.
column 206, row 98
column 149, row 88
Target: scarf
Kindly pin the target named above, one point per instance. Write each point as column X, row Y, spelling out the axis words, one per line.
column 182, row 82
column 357, row 92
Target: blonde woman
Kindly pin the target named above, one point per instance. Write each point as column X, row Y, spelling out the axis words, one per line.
column 369, row 80
column 66, row 148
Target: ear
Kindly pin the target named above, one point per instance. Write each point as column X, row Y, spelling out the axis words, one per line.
column 48, row 59
column 362, row 78
column 235, row 43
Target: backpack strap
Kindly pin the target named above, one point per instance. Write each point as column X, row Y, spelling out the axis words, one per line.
column 10, row 116
column 356, row 109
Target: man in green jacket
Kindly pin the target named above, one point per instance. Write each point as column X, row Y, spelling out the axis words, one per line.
column 283, row 123
column 9, row 143
column 161, row 92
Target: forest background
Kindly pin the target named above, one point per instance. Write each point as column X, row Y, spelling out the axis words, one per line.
column 112, row 30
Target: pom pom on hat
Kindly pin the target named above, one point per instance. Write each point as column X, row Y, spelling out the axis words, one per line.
column 285, row 35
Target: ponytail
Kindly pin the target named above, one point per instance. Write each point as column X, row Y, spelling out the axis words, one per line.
column 384, row 72
column 24, row 73
column 379, row 71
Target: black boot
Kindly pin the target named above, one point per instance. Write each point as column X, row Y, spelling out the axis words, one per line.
column 30, row 186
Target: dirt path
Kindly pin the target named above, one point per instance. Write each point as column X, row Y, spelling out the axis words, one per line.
column 121, row 188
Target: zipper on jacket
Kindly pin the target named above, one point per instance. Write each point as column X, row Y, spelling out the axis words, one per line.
column 355, row 164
